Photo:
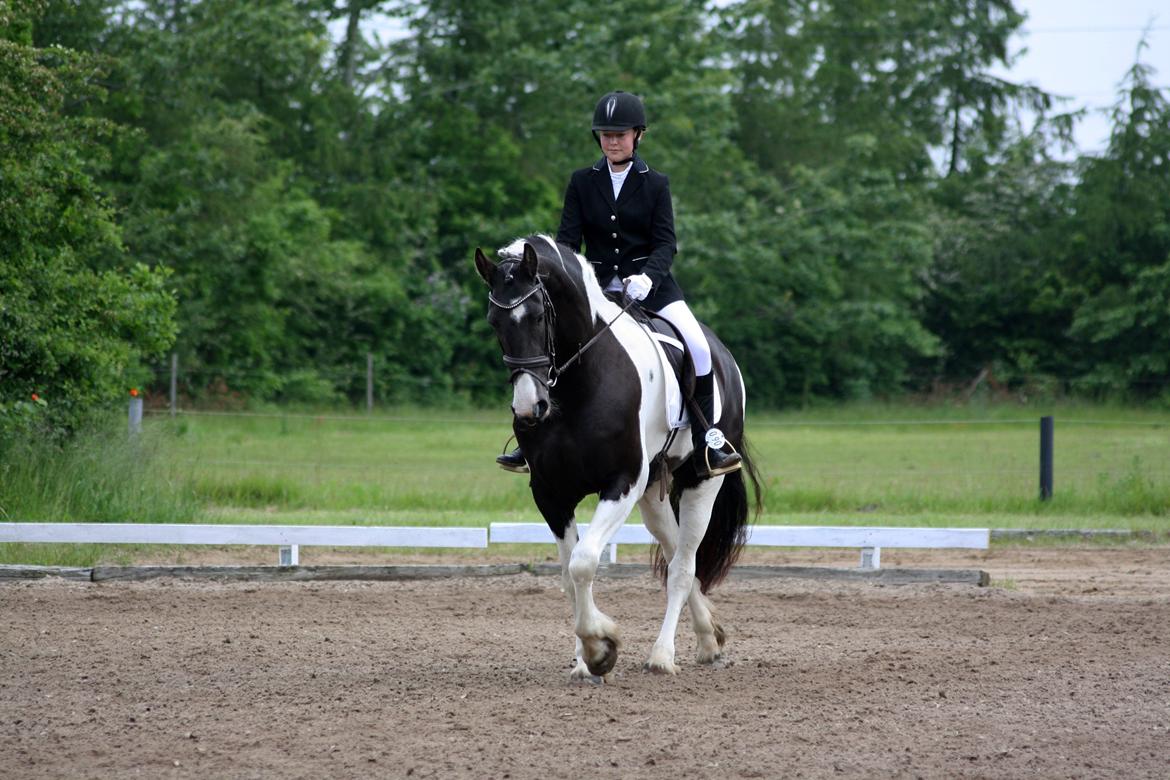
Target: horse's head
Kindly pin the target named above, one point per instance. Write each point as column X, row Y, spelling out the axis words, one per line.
column 520, row 311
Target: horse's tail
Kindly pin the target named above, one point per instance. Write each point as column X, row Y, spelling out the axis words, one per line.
column 728, row 527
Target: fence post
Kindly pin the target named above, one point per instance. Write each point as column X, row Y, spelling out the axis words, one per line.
column 369, row 381
column 1046, row 450
column 290, row 555
column 135, row 413
column 174, row 383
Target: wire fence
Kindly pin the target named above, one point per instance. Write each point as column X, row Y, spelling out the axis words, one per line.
column 763, row 422
column 379, row 383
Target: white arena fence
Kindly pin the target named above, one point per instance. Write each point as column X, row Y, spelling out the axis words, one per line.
column 289, row 538
column 870, row 540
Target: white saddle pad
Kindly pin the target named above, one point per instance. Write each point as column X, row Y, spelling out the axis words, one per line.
column 676, row 410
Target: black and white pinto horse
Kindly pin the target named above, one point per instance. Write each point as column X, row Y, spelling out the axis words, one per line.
column 595, row 427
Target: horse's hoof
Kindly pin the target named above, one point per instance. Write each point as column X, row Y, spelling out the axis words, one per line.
column 709, row 658
column 717, row 662
column 581, row 676
column 710, row 647
column 667, row 668
column 601, row 655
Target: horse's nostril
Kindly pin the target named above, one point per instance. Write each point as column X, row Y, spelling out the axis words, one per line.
column 541, row 408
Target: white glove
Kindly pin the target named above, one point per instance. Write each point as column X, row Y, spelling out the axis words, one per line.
column 638, row 286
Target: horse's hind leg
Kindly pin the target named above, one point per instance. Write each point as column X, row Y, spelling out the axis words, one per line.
column 659, row 520
column 694, row 515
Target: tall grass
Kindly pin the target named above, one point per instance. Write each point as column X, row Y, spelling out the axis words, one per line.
column 99, row 475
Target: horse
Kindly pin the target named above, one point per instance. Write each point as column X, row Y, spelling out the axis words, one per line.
column 597, row 424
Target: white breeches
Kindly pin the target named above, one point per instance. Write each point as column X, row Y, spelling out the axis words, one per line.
column 679, row 315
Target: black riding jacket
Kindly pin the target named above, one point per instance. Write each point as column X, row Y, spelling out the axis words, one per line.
column 635, row 235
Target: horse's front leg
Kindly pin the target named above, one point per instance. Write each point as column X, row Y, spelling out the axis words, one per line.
column 565, row 548
column 559, row 516
column 598, row 633
column 694, row 516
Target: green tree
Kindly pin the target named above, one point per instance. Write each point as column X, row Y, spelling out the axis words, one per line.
column 492, row 103
column 77, row 316
column 997, row 297
column 817, row 287
column 1117, row 256
column 255, row 179
column 916, row 75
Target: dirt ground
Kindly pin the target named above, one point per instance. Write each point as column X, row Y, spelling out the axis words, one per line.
column 1060, row 669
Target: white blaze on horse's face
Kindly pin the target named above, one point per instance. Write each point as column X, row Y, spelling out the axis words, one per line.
column 529, row 396
column 525, row 337
column 529, row 399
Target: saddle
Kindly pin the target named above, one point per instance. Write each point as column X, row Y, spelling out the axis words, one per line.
column 673, row 348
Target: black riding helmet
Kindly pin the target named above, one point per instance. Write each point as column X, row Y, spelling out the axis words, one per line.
column 617, row 111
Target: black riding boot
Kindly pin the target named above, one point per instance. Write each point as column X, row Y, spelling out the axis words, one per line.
column 513, row 461
column 710, row 461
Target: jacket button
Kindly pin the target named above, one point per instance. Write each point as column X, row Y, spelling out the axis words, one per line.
column 614, row 235
column 616, row 250
column 612, row 217
column 615, row 268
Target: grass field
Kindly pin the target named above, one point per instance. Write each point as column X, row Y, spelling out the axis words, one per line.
column 856, row 465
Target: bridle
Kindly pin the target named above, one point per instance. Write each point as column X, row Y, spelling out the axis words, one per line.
column 524, row 365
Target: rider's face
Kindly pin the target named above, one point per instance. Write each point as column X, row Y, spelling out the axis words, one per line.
column 618, row 145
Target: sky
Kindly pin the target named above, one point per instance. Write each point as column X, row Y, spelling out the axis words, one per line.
column 1082, row 49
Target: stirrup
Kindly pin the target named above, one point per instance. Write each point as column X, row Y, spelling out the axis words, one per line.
column 512, row 461
column 715, row 442
column 733, row 462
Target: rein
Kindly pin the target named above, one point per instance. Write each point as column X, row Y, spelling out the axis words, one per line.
column 596, row 336
column 523, row 365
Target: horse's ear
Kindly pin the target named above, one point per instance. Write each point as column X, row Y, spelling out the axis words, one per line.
column 530, row 264
column 486, row 268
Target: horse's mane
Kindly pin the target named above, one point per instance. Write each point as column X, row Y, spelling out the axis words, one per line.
column 569, row 269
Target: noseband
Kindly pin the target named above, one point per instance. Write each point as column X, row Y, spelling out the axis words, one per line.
column 524, row 365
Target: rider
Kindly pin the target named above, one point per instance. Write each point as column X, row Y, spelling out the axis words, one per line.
column 622, row 209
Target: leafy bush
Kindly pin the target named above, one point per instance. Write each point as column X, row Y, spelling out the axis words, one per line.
column 77, row 316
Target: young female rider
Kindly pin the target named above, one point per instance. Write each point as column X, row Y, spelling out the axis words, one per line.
column 622, row 209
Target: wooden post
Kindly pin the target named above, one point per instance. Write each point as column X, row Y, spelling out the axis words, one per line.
column 369, row 381
column 1046, row 457
column 174, row 383
column 135, row 415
